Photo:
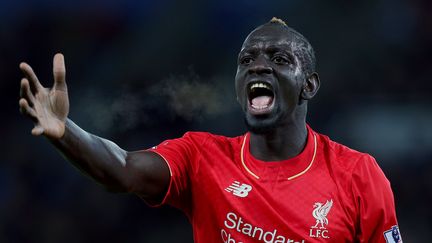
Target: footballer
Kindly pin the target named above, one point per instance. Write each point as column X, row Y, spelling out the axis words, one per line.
column 280, row 182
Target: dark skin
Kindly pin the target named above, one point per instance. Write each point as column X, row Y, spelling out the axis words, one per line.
column 145, row 173
column 268, row 54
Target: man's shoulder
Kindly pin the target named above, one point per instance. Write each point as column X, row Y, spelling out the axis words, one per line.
column 343, row 155
column 339, row 148
column 211, row 138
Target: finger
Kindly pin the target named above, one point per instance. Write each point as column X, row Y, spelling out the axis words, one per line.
column 26, row 93
column 31, row 76
column 59, row 71
column 37, row 130
column 27, row 110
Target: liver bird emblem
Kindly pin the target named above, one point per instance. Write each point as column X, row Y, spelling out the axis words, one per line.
column 320, row 213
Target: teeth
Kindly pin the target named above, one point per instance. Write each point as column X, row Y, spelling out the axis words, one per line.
column 259, row 107
column 260, row 85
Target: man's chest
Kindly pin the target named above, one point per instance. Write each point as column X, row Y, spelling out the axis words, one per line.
column 241, row 208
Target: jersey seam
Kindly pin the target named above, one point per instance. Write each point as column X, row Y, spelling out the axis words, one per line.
column 200, row 149
column 357, row 206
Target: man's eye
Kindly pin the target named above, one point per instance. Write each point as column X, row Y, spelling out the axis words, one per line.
column 280, row 60
column 246, row 60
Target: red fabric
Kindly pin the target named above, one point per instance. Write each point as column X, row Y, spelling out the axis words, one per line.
column 272, row 208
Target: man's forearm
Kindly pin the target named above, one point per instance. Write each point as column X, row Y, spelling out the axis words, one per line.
column 97, row 157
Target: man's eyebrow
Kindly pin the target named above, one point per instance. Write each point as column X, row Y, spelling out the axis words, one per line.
column 250, row 49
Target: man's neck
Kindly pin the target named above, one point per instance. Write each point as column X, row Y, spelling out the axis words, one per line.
column 281, row 143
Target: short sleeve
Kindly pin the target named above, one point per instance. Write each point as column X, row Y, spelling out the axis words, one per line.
column 377, row 220
column 180, row 155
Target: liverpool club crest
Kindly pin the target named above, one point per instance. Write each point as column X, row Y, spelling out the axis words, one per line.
column 320, row 212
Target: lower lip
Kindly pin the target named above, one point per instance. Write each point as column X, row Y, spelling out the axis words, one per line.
column 261, row 111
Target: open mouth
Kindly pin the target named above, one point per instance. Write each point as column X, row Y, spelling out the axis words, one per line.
column 261, row 97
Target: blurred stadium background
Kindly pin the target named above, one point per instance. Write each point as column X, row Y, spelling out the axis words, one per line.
column 140, row 72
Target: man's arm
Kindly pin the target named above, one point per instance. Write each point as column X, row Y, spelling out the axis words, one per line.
column 144, row 173
column 375, row 203
column 141, row 172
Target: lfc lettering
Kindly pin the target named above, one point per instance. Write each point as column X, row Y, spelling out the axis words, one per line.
column 317, row 233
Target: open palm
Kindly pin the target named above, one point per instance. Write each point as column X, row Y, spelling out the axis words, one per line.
column 47, row 107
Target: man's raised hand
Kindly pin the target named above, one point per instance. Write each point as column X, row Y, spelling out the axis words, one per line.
column 47, row 107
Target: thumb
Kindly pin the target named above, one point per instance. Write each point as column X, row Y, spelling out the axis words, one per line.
column 59, row 71
column 37, row 130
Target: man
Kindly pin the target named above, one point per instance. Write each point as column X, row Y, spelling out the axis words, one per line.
column 280, row 182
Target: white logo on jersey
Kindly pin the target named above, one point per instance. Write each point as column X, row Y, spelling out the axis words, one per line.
column 239, row 190
column 320, row 214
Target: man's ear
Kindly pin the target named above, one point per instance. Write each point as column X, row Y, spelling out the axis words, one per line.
column 310, row 87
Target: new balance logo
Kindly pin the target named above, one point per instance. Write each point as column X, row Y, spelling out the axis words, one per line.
column 239, row 190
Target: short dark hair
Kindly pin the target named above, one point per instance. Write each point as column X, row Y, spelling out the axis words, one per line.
column 304, row 50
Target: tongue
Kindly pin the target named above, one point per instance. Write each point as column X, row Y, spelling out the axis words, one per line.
column 262, row 101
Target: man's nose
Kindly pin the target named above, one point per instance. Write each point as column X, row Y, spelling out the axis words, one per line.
column 260, row 66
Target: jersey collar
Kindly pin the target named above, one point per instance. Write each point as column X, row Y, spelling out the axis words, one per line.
column 287, row 169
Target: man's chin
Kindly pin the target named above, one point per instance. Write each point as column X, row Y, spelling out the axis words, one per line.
column 261, row 125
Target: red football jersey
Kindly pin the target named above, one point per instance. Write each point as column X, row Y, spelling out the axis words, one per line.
column 328, row 193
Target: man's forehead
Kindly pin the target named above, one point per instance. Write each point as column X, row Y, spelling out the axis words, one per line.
column 269, row 36
column 272, row 44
